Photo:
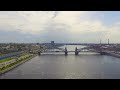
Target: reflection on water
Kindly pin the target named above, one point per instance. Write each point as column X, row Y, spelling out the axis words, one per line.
column 59, row 66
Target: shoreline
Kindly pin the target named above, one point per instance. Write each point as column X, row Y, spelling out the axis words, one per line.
column 113, row 54
column 12, row 67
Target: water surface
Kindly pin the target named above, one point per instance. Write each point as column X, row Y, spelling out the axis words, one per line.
column 59, row 66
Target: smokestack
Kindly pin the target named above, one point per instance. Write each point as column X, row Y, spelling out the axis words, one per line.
column 100, row 41
column 108, row 41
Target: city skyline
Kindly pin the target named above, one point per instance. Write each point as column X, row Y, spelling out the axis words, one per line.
column 59, row 26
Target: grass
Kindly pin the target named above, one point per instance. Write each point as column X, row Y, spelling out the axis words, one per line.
column 1, row 69
column 23, row 54
column 1, row 53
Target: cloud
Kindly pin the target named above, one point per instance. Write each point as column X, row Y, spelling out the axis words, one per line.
column 58, row 25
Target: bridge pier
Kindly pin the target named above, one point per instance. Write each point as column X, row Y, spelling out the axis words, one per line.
column 39, row 53
column 102, row 53
column 76, row 51
column 66, row 52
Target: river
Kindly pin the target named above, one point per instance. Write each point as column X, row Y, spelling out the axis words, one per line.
column 58, row 66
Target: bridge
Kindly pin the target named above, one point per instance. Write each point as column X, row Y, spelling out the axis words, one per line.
column 76, row 51
column 90, row 47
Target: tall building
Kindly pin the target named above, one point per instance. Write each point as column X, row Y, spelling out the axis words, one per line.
column 52, row 42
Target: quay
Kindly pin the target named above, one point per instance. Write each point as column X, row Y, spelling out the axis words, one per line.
column 15, row 63
column 113, row 54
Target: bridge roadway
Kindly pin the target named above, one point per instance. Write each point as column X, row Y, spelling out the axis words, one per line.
column 67, row 51
column 90, row 47
column 76, row 51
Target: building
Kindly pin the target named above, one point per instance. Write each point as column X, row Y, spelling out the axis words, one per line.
column 52, row 42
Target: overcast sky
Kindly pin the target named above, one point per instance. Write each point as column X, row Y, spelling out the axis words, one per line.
column 59, row 26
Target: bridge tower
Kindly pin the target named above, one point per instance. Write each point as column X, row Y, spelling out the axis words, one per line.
column 102, row 52
column 76, row 51
column 39, row 53
column 66, row 52
column 100, row 42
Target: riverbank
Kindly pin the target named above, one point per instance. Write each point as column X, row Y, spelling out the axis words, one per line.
column 17, row 64
column 113, row 54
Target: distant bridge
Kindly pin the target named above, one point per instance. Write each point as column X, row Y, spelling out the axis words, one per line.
column 76, row 51
column 90, row 47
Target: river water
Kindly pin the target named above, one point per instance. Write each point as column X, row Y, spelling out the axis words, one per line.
column 58, row 66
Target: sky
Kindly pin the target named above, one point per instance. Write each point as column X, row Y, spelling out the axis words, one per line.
column 59, row 26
